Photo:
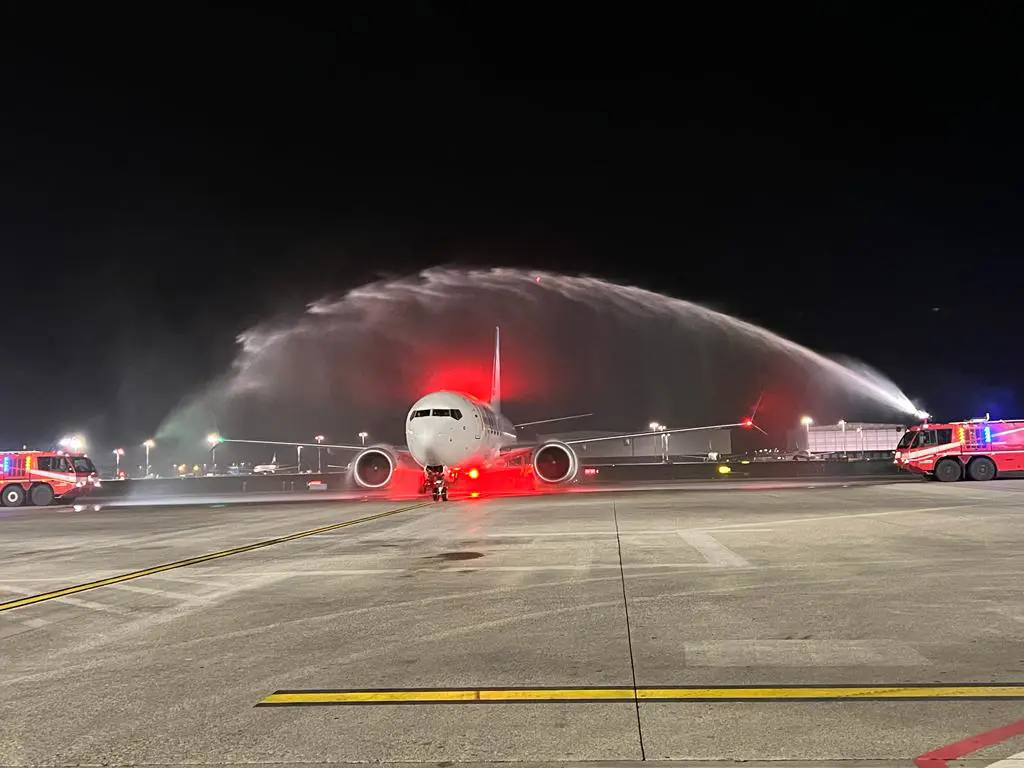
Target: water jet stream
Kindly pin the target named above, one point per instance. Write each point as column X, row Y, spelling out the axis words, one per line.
column 394, row 310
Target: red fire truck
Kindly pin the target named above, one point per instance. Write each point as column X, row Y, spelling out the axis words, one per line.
column 42, row 476
column 978, row 449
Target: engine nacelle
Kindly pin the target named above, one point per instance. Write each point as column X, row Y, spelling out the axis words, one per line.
column 374, row 467
column 555, row 463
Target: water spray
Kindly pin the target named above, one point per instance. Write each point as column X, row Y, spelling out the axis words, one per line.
column 375, row 307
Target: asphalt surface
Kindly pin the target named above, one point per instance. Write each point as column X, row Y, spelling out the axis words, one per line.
column 578, row 596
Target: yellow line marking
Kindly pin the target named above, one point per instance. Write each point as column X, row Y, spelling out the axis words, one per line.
column 442, row 696
column 540, row 695
column 852, row 692
column 33, row 599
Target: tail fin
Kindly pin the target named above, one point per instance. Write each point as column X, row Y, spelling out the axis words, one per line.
column 496, row 373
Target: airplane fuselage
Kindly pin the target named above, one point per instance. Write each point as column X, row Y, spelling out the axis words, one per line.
column 451, row 429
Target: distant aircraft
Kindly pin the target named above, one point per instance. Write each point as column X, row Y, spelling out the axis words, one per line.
column 266, row 469
column 451, row 435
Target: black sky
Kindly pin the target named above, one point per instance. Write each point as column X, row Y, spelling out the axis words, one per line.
column 169, row 175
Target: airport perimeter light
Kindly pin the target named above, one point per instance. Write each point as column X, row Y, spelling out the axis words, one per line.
column 214, row 439
column 319, row 456
column 151, row 443
column 807, row 421
column 363, row 436
column 118, row 453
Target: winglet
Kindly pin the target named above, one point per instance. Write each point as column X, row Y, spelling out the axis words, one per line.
column 496, row 373
column 749, row 422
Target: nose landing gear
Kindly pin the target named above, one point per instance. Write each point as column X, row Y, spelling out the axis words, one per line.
column 436, row 482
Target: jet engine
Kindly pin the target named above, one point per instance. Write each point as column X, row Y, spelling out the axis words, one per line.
column 555, row 463
column 374, row 467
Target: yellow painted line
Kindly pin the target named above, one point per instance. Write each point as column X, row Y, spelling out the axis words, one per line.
column 797, row 693
column 57, row 593
column 967, row 691
column 447, row 696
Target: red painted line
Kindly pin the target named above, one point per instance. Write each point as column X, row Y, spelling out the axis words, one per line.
column 938, row 758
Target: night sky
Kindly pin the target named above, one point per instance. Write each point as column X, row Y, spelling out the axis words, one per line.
column 840, row 173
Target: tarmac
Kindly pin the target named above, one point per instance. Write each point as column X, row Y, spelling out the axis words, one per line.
column 808, row 623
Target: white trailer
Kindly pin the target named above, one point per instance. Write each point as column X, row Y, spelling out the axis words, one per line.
column 855, row 440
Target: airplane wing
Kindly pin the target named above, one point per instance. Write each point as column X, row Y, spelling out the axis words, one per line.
column 548, row 421
column 296, row 445
column 510, row 452
column 746, row 424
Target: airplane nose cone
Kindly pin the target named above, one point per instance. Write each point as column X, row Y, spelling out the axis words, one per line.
column 431, row 447
column 422, row 445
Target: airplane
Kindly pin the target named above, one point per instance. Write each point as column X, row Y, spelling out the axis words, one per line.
column 448, row 431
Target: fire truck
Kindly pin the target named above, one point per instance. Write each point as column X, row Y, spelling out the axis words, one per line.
column 40, row 477
column 978, row 449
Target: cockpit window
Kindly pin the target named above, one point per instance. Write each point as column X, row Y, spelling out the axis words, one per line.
column 907, row 439
column 453, row 413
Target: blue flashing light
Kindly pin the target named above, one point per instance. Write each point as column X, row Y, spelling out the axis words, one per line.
column 7, row 465
column 988, row 434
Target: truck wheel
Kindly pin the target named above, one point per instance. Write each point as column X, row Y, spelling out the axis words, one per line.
column 13, row 496
column 948, row 470
column 41, row 495
column 981, row 468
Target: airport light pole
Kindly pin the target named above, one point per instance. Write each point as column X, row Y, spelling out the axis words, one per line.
column 807, row 421
column 656, row 427
column 842, row 426
column 214, row 439
column 147, row 445
column 319, row 458
column 118, row 453
column 363, row 436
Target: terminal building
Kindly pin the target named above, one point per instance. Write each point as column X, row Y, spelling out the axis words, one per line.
column 846, row 440
column 675, row 447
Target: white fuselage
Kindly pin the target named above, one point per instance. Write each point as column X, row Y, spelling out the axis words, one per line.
column 451, row 429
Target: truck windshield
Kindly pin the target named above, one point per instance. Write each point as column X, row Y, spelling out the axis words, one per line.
column 83, row 465
column 926, row 437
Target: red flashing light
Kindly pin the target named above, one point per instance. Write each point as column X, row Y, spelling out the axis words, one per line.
column 474, row 473
column 747, row 423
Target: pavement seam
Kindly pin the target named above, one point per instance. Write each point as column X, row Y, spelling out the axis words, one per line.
column 629, row 633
